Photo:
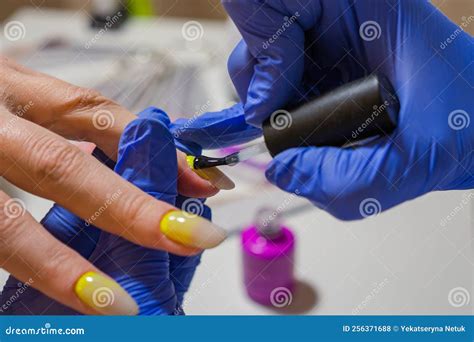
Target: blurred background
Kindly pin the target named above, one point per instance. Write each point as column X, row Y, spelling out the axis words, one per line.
column 415, row 259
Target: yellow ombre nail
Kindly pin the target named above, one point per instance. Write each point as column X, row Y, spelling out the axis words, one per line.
column 104, row 295
column 191, row 230
column 213, row 175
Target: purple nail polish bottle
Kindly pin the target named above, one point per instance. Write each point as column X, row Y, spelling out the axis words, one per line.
column 268, row 258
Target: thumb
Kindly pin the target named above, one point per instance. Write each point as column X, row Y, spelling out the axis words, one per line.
column 240, row 66
column 348, row 183
column 215, row 129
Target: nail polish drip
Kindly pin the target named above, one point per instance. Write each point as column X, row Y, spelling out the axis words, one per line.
column 268, row 258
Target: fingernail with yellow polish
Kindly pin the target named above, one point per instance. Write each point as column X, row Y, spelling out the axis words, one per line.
column 191, row 230
column 215, row 176
column 104, row 295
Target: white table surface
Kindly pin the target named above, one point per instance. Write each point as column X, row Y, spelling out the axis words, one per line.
column 403, row 261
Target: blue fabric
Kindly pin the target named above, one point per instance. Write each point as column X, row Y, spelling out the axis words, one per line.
column 156, row 279
column 293, row 50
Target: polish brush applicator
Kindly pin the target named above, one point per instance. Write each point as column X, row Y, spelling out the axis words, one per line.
column 353, row 112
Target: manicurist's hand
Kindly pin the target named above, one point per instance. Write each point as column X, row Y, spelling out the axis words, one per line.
column 37, row 113
column 294, row 50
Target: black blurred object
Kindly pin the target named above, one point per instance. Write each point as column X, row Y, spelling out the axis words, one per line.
column 356, row 111
column 108, row 14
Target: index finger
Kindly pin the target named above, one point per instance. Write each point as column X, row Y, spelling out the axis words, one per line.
column 46, row 165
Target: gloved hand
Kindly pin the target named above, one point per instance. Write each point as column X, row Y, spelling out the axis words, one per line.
column 157, row 280
column 213, row 130
column 293, row 50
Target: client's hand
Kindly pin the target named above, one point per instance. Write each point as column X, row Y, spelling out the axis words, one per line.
column 34, row 109
column 155, row 279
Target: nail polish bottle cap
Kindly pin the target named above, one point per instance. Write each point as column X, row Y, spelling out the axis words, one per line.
column 268, row 223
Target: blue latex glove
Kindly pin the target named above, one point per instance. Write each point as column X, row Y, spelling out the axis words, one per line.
column 293, row 50
column 156, row 279
column 213, row 130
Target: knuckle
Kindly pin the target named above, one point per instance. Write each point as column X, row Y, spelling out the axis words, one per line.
column 88, row 96
column 83, row 98
column 54, row 160
column 135, row 208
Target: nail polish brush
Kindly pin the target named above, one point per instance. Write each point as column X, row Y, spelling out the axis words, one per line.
column 351, row 113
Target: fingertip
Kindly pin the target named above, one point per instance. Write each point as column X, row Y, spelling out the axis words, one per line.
column 190, row 184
